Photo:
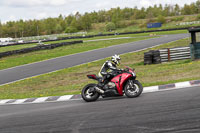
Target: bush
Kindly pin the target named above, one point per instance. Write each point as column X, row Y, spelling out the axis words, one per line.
column 198, row 17
column 71, row 29
column 161, row 19
column 110, row 26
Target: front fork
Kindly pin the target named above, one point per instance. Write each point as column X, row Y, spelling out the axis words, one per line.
column 131, row 83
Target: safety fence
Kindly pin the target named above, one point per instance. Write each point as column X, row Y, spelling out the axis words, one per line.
column 37, row 48
column 172, row 54
column 165, row 55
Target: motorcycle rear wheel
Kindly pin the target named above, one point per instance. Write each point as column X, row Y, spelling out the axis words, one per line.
column 133, row 88
column 89, row 94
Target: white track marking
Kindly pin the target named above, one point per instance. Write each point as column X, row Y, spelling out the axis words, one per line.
column 150, row 89
column 64, row 98
column 39, row 100
column 4, row 101
column 182, row 84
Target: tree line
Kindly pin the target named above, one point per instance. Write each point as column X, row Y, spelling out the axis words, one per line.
column 83, row 22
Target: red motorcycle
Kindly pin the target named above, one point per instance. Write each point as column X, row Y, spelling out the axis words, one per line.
column 123, row 82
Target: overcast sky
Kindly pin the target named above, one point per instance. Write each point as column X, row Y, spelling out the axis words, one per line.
column 39, row 9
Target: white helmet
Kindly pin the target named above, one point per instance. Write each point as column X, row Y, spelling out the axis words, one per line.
column 116, row 59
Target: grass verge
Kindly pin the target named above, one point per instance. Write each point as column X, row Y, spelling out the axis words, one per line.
column 21, row 59
column 71, row 80
column 16, row 47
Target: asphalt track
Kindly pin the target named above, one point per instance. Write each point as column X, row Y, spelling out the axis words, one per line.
column 174, row 111
column 25, row 71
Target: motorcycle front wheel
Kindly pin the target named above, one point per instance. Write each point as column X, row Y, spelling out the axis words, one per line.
column 133, row 88
column 89, row 94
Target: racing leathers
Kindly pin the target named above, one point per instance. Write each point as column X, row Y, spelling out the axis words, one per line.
column 106, row 70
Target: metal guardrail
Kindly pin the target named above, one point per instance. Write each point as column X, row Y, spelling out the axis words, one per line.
column 165, row 55
column 172, row 54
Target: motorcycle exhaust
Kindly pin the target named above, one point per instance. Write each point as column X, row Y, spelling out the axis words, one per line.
column 99, row 90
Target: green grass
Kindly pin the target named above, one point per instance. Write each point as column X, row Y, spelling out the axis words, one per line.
column 134, row 28
column 21, row 59
column 71, row 80
column 36, row 56
column 140, row 24
column 17, row 47
column 166, row 26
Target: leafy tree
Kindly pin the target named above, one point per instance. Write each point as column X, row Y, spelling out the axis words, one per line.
column 126, row 13
column 94, row 17
column 101, row 16
column 150, row 14
column 77, row 15
column 161, row 19
column 186, row 10
column 198, row 6
column 71, row 29
column 194, row 8
column 177, row 10
column 140, row 14
column 86, row 22
column 166, row 11
column 110, row 26
column 74, row 23
column 20, row 24
column 155, row 11
column 116, row 16
column 50, row 25
column 58, row 28
column 69, row 19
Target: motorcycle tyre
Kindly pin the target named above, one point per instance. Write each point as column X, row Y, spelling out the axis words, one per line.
column 138, row 94
column 94, row 97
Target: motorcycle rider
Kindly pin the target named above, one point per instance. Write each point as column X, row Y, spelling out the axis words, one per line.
column 107, row 69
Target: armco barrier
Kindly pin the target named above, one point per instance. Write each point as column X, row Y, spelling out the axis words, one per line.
column 172, row 54
column 36, row 48
column 165, row 55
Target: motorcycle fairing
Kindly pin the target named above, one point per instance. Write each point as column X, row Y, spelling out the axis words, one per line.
column 119, row 81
